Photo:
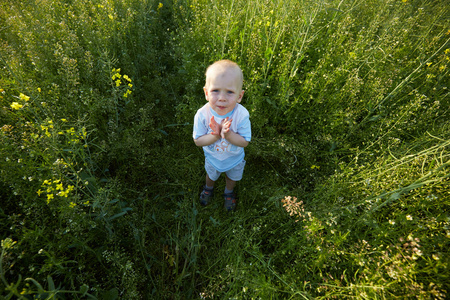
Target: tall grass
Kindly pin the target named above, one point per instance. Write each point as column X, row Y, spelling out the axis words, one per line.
column 345, row 193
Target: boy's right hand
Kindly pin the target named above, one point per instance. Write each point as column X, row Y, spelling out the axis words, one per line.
column 216, row 127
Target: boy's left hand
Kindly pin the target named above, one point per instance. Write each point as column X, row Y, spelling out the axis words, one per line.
column 226, row 123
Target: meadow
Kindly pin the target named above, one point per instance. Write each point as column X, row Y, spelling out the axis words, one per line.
column 345, row 193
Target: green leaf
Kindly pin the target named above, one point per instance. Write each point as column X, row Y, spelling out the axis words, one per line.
column 395, row 196
column 51, row 284
column 84, row 289
column 37, row 284
column 112, row 294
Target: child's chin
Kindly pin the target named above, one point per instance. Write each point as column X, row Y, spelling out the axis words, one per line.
column 221, row 111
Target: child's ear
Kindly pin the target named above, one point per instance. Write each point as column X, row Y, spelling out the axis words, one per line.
column 205, row 90
column 240, row 96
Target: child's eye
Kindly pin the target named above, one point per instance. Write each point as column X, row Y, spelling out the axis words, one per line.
column 230, row 92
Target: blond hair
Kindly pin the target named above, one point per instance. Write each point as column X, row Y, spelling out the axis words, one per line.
column 223, row 65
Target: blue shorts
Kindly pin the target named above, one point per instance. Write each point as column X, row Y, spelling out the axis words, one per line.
column 234, row 174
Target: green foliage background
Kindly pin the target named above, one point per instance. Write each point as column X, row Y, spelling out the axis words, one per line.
column 346, row 189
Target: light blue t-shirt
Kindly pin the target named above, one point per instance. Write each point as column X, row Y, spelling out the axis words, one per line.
column 223, row 155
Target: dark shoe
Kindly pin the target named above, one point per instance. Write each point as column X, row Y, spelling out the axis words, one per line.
column 230, row 201
column 206, row 196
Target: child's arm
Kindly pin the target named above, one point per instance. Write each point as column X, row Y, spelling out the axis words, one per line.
column 235, row 138
column 206, row 139
column 242, row 136
column 212, row 137
column 231, row 136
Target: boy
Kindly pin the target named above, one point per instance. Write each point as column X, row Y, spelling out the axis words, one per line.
column 222, row 128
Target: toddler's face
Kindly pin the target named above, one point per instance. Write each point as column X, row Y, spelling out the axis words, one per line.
column 223, row 90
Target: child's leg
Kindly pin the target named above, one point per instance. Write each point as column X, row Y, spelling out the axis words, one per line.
column 230, row 184
column 229, row 195
column 209, row 182
column 208, row 191
column 236, row 174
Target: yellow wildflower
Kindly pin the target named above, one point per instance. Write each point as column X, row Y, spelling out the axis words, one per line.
column 24, row 97
column 16, row 106
column 128, row 92
column 72, row 204
column 63, row 194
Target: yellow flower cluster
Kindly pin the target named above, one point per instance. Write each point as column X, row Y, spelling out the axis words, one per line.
column 24, row 97
column 117, row 79
column 73, row 136
column 8, row 243
column 440, row 65
column 17, row 105
column 46, row 126
column 51, row 188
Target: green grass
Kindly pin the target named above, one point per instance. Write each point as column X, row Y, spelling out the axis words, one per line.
column 345, row 192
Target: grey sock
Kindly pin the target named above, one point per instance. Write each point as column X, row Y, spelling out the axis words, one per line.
column 227, row 191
